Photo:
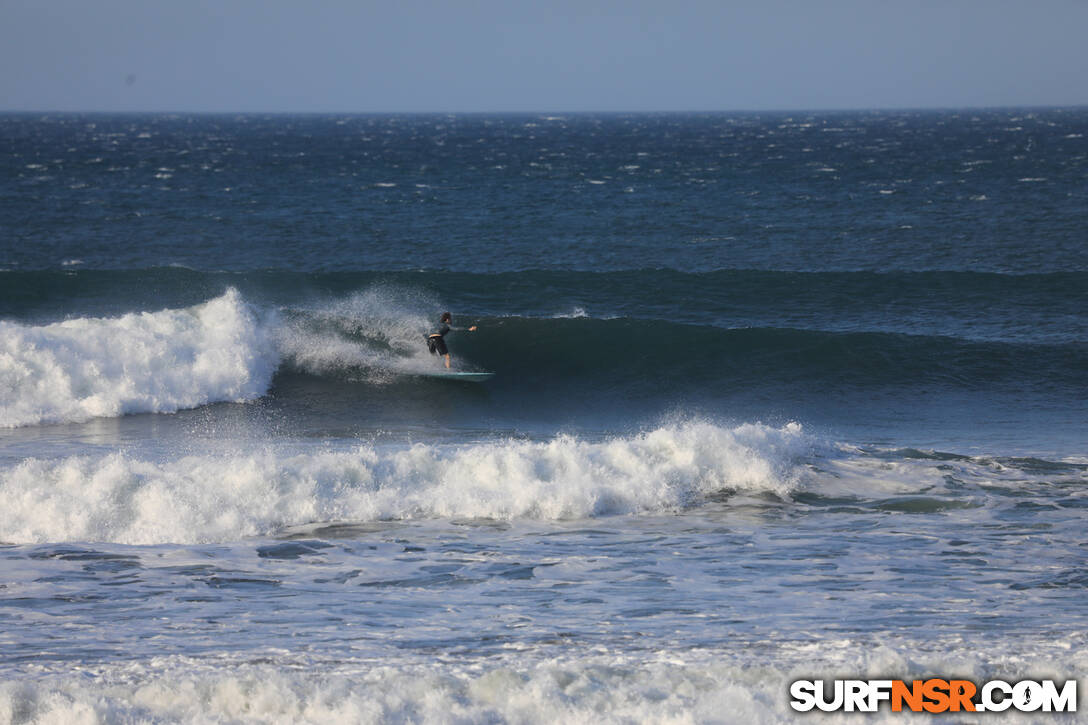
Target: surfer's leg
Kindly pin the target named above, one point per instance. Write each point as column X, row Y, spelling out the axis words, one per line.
column 447, row 361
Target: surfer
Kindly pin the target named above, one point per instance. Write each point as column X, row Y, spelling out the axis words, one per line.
column 436, row 341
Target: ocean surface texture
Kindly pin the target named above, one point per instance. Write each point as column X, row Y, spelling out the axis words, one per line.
column 776, row 396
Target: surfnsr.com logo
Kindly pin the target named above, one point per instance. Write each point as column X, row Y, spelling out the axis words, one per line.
column 934, row 695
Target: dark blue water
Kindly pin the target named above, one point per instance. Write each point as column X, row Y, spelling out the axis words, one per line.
column 780, row 389
column 980, row 191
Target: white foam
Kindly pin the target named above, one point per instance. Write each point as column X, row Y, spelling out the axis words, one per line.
column 142, row 362
column 198, row 499
column 583, row 686
column 609, row 690
column 222, row 350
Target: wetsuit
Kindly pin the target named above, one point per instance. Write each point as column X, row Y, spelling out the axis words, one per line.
column 436, row 342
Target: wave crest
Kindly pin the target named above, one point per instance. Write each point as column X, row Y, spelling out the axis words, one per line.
column 200, row 499
column 149, row 362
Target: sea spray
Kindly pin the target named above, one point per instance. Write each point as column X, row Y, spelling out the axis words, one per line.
column 372, row 333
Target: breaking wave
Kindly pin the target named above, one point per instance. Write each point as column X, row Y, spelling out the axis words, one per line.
column 203, row 498
column 149, row 362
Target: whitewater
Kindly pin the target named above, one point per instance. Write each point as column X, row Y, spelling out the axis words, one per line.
column 151, row 362
column 163, row 361
column 202, row 499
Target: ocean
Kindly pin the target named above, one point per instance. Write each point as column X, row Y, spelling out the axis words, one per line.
column 777, row 396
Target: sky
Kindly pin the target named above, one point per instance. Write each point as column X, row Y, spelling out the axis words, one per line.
column 381, row 56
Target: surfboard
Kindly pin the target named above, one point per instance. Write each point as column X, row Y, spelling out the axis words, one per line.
column 458, row 375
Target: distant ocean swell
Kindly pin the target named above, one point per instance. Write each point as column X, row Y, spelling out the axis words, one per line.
column 228, row 349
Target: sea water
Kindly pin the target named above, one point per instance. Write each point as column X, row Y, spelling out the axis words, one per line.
column 776, row 397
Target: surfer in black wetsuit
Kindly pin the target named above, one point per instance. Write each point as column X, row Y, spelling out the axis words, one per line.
column 436, row 341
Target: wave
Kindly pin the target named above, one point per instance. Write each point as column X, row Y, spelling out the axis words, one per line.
column 225, row 349
column 179, row 689
column 666, row 359
column 577, row 685
column 375, row 336
column 972, row 305
column 229, row 349
column 203, row 498
column 140, row 362
column 275, row 489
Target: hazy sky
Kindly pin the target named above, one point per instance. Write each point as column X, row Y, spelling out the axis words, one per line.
column 547, row 55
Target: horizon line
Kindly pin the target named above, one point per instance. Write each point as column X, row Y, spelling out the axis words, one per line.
column 529, row 112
